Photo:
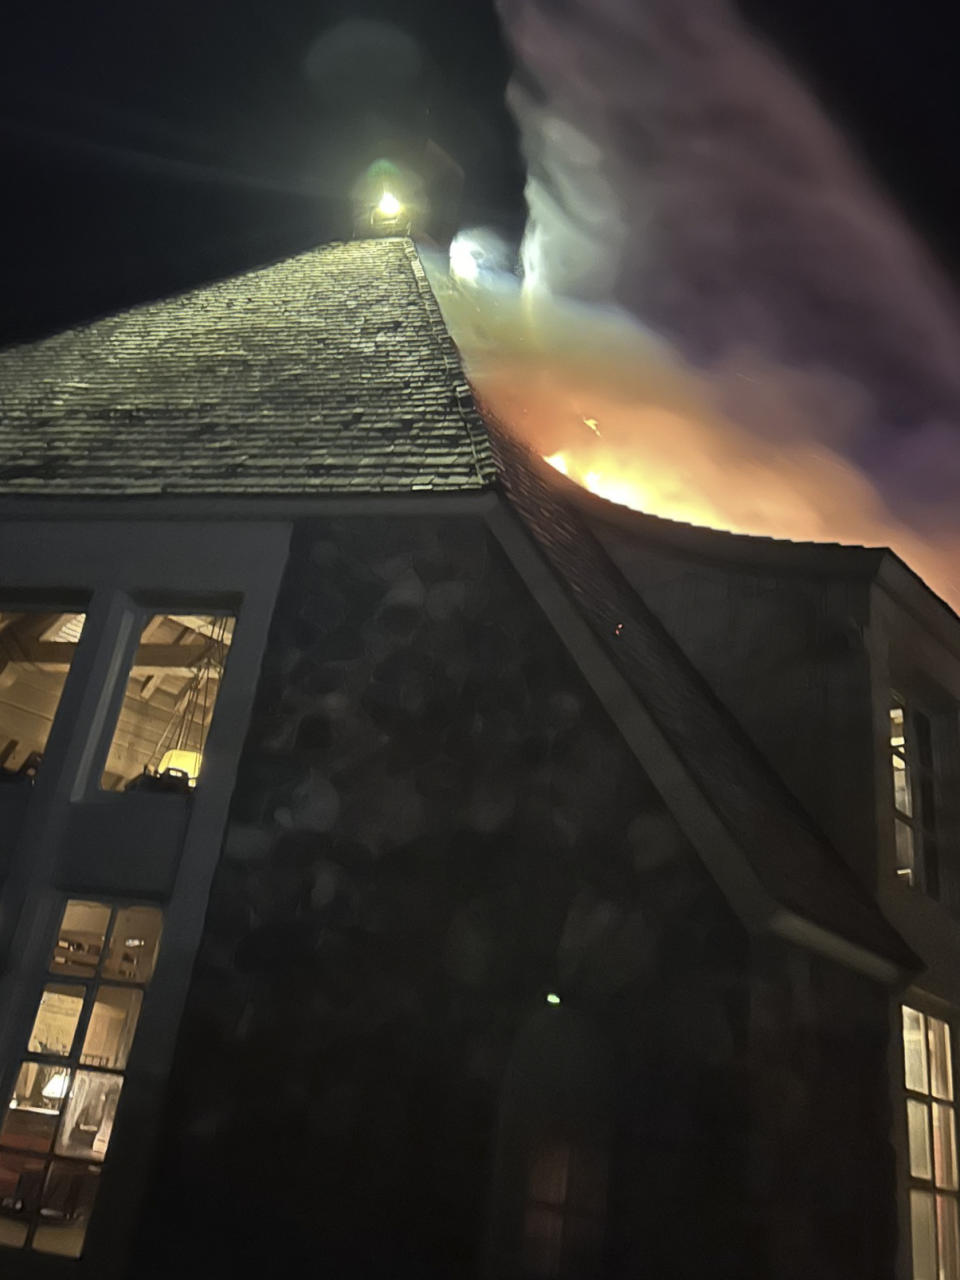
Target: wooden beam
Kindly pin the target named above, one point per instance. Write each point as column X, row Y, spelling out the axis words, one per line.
column 150, row 659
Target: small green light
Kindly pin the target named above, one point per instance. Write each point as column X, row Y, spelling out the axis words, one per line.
column 553, row 998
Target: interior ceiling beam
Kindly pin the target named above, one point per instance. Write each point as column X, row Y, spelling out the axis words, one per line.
column 150, row 659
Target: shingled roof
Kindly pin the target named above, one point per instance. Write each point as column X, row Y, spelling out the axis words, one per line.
column 331, row 371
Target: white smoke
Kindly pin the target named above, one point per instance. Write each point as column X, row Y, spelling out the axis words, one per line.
column 677, row 171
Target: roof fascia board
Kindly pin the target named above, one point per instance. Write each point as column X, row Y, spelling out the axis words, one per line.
column 797, row 929
column 898, row 581
column 689, row 806
column 716, row 846
column 243, row 507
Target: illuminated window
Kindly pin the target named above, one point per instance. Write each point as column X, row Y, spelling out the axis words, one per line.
column 58, row 1122
column 162, row 728
column 566, row 1206
column 932, row 1146
column 36, row 650
column 914, row 797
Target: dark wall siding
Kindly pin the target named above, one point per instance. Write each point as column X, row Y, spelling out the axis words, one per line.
column 786, row 655
column 824, row 1189
column 434, row 825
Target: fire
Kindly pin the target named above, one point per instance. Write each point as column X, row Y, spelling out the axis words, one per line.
column 740, row 447
column 631, row 492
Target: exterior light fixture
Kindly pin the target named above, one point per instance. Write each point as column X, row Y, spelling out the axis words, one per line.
column 389, row 206
column 552, row 998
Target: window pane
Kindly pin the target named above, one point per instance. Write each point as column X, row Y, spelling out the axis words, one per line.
column 923, row 1234
column 906, row 856
column 923, row 739
column 897, row 738
column 582, row 1245
column 88, row 1116
column 944, row 1146
column 915, row 1050
column 548, row 1175
column 134, row 943
column 918, row 1132
column 33, row 1111
column 67, row 1202
column 110, row 1031
column 36, row 650
column 947, row 1238
column 941, row 1064
column 56, row 1022
column 21, row 1178
column 13, row 1234
column 931, row 869
column 80, row 938
column 542, row 1241
column 928, row 803
column 587, row 1182
column 902, row 794
column 162, row 728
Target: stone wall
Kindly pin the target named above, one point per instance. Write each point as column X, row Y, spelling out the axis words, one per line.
column 824, row 1188
column 434, row 826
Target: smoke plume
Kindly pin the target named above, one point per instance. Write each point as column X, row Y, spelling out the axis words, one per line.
column 721, row 315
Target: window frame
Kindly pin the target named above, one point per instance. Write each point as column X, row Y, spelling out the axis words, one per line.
column 918, row 754
column 117, row 566
column 146, row 607
column 910, row 1182
column 73, row 1060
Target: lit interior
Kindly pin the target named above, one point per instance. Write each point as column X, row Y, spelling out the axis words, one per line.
column 167, row 707
column 36, row 649
column 171, row 693
column 58, row 1122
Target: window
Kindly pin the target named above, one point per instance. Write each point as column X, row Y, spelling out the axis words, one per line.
column 914, row 797
column 58, row 1122
column 548, row 1210
column 36, row 649
column 932, row 1146
column 566, row 1207
column 168, row 703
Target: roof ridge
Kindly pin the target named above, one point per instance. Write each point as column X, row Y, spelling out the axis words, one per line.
column 465, row 401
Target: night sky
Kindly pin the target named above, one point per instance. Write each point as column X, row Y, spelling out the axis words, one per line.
column 149, row 147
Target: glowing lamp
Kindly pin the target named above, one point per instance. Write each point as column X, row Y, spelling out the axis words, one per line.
column 185, row 761
column 389, row 206
column 553, row 998
column 57, row 1086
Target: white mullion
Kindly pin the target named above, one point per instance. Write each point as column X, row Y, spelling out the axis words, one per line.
column 930, row 1127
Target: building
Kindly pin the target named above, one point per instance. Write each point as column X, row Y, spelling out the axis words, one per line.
column 563, row 892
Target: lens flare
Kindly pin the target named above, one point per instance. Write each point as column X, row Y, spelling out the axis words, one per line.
column 389, row 205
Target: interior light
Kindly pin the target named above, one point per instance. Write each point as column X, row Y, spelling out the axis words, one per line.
column 553, row 998
column 57, row 1086
column 389, row 205
column 187, row 762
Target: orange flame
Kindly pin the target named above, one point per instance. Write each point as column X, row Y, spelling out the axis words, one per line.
column 746, row 448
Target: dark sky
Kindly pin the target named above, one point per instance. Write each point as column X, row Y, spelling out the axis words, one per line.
column 147, row 147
